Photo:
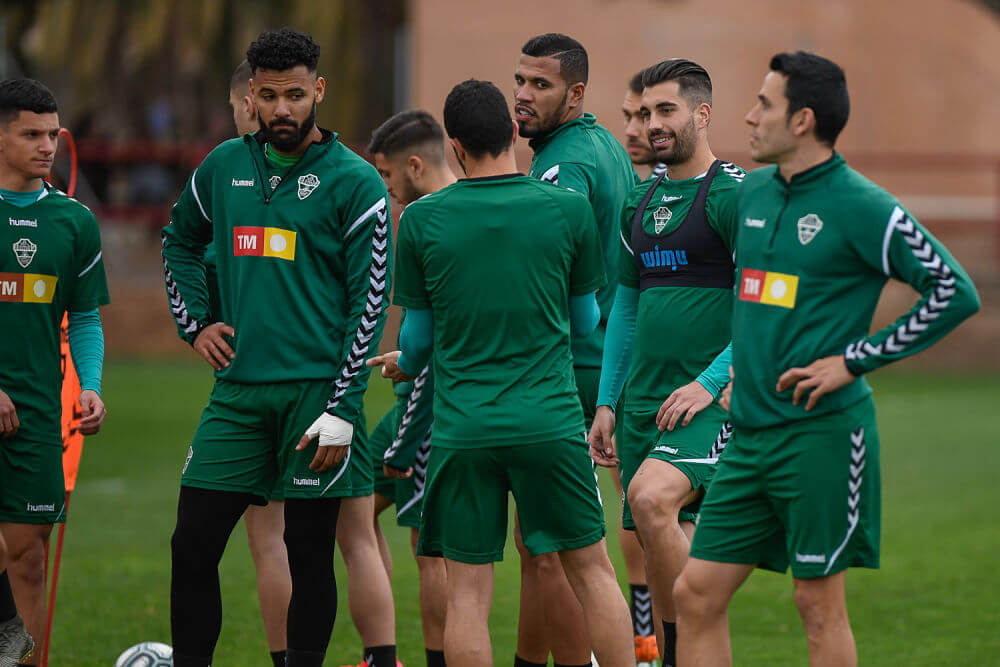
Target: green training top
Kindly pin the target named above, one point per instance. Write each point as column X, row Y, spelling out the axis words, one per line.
column 585, row 157
column 51, row 263
column 813, row 255
column 679, row 329
column 496, row 260
column 303, row 264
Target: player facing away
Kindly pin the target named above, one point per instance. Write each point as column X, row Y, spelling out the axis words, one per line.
column 265, row 524
column 302, row 236
column 495, row 270
column 572, row 150
column 671, row 318
column 799, row 484
column 50, row 264
column 636, row 142
column 409, row 154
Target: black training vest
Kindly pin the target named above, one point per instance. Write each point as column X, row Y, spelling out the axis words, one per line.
column 693, row 255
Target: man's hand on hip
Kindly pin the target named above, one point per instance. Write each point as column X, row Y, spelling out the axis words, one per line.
column 211, row 345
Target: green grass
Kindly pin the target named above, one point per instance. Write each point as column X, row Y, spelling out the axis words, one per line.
column 934, row 602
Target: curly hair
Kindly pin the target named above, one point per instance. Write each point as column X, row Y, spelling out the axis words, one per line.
column 282, row 50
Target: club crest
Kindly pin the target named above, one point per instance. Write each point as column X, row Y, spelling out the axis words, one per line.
column 274, row 180
column 809, row 226
column 24, row 250
column 307, row 184
column 661, row 217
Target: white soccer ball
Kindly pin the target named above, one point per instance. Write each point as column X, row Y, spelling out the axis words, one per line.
column 147, row 654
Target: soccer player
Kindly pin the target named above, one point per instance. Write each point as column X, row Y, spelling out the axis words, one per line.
column 302, row 233
column 799, row 484
column 409, row 154
column 496, row 301
column 265, row 524
column 51, row 264
column 673, row 306
column 636, row 143
column 572, row 150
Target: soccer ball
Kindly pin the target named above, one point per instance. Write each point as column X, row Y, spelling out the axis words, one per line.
column 147, row 654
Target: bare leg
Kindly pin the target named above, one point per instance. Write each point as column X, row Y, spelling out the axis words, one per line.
column 823, row 610
column 26, row 569
column 369, row 593
column 701, row 595
column 532, row 638
column 381, row 504
column 608, row 624
column 466, row 630
column 433, row 596
column 265, row 529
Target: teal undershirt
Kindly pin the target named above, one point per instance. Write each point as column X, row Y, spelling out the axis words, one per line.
column 86, row 346
column 277, row 160
column 21, row 199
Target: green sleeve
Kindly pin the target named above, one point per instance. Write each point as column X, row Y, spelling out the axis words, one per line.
column 411, row 288
column 587, row 273
column 367, row 282
column 628, row 274
column 414, row 424
column 184, row 242
column 715, row 378
column 570, row 175
column 618, row 339
column 723, row 217
column 90, row 286
column 907, row 252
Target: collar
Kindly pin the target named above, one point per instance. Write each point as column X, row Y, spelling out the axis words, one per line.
column 813, row 173
column 326, row 138
column 584, row 121
column 498, row 177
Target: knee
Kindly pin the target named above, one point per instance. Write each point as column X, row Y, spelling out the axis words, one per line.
column 28, row 564
column 693, row 600
column 544, row 566
column 815, row 609
column 652, row 501
column 265, row 545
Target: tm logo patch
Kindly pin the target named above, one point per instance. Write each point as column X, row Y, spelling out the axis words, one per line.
column 264, row 242
column 774, row 289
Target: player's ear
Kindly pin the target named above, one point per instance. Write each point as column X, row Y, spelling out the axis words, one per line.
column 574, row 94
column 802, row 122
column 249, row 107
column 415, row 165
column 460, row 155
column 517, row 131
column 320, row 89
column 704, row 115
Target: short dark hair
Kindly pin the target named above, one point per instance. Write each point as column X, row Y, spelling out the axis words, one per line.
column 692, row 79
column 817, row 83
column 572, row 57
column 17, row 95
column 476, row 114
column 408, row 130
column 635, row 83
column 240, row 80
column 282, row 50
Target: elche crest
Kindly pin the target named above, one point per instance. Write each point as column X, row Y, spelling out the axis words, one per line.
column 274, row 181
column 661, row 216
column 809, row 226
column 24, row 250
column 307, row 184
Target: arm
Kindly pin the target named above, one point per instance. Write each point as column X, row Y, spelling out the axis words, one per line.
column 584, row 314
column 86, row 347
column 692, row 398
column 716, row 376
column 367, row 249
column 947, row 296
column 184, row 242
column 414, row 424
column 618, row 345
column 416, row 340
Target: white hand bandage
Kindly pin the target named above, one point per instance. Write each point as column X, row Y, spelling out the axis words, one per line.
column 331, row 431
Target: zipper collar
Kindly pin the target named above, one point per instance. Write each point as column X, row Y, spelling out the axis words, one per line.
column 813, row 173
column 256, row 144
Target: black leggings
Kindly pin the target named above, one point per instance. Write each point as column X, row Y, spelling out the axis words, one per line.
column 205, row 520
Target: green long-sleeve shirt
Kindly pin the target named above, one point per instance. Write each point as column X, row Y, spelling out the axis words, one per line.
column 813, row 255
column 303, row 264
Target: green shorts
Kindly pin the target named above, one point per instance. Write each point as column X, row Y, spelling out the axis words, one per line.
column 32, row 487
column 688, row 448
column 806, row 493
column 245, row 442
column 587, row 382
column 406, row 494
column 379, row 441
column 465, row 503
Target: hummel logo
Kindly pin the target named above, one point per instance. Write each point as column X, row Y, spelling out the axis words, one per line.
column 810, row 558
column 665, row 449
column 242, row 182
column 297, row 481
column 667, row 198
column 755, row 222
column 41, row 508
column 23, row 223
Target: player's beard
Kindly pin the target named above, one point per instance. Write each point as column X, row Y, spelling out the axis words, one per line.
column 685, row 145
column 545, row 123
column 287, row 136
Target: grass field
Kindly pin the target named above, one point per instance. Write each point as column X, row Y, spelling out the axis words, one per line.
column 936, row 600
